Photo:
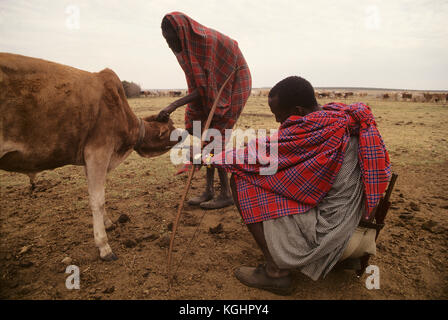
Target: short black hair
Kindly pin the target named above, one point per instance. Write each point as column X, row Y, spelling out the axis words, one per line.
column 294, row 91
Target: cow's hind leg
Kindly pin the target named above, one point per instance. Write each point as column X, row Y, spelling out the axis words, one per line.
column 32, row 177
column 96, row 170
column 107, row 222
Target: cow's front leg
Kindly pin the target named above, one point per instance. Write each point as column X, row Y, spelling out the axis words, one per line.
column 107, row 221
column 96, row 169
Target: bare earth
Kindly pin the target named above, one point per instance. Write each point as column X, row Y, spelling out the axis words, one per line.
column 39, row 229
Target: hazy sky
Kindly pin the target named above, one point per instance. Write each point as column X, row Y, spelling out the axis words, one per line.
column 388, row 44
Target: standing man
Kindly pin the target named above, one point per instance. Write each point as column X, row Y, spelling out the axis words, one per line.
column 207, row 57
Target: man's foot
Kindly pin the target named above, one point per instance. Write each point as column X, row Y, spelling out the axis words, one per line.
column 206, row 196
column 258, row 278
column 218, row 203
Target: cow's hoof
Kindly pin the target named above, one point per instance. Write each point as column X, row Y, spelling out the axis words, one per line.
column 110, row 257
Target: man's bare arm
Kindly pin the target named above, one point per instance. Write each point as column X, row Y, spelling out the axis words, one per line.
column 165, row 113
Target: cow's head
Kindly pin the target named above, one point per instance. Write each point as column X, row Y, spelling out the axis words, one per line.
column 156, row 140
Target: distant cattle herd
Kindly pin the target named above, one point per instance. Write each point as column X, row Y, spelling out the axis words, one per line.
column 163, row 93
column 392, row 95
column 395, row 96
column 415, row 97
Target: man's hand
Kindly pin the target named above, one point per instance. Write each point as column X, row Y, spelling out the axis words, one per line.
column 164, row 115
column 195, row 158
column 199, row 159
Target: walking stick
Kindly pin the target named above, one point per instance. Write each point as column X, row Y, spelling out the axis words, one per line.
column 190, row 177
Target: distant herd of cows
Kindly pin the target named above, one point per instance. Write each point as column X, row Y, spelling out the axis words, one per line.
column 393, row 96
column 396, row 96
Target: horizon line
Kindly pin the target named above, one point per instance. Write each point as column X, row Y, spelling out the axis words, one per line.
column 333, row 88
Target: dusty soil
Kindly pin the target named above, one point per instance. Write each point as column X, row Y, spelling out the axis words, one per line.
column 39, row 229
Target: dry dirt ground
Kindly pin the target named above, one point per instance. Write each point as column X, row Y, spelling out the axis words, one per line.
column 39, row 229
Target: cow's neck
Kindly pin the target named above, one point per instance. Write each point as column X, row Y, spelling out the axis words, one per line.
column 141, row 134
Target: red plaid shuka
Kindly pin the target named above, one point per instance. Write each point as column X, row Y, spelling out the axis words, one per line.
column 208, row 58
column 310, row 153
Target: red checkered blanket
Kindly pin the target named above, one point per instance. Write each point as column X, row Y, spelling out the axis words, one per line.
column 208, row 57
column 310, row 153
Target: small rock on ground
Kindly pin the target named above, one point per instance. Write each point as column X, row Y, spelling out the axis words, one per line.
column 123, row 218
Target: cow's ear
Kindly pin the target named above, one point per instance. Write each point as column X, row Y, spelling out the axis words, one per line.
column 150, row 118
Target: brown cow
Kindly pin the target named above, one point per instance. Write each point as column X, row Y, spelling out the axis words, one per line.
column 175, row 93
column 438, row 97
column 348, row 94
column 435, row 97
column 145, row 93
column 405, row 95
column 323, row 94
column 54, row 115
column 427, row 96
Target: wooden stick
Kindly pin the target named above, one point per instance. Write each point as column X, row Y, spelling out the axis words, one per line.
column 190, row 177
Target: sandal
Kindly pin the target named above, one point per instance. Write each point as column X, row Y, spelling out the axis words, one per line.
column 217, row 203
column 199, row 199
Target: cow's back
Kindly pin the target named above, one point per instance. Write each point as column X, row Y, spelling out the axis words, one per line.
column 46, row 113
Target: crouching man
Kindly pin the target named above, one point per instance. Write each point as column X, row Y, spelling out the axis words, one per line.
column 332, row 169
